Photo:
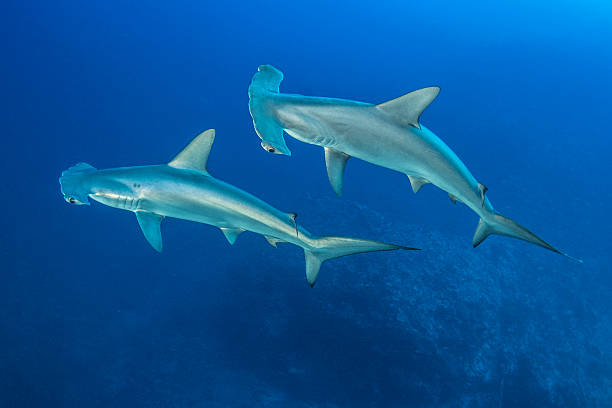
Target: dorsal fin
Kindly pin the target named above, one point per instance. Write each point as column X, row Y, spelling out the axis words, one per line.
column 195, row 155
column 406, row 110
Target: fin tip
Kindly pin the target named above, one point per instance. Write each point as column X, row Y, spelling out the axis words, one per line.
column 580, row 261
column 405, row 248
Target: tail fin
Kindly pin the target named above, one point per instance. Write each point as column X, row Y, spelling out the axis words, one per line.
column 498, row 224
column 265, row 83
column 335, row 247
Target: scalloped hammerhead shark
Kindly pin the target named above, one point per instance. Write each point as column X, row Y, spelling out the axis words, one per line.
column 184, row 189
column 388, row 135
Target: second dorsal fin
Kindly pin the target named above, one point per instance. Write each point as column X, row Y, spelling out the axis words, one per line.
column 406, row 110
column 195, row 155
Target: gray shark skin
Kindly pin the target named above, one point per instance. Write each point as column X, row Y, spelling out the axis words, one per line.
column 184, row 189
column 388, row 135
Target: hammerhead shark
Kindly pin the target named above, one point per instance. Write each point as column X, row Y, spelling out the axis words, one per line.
column 388, row 135
column 184, row 189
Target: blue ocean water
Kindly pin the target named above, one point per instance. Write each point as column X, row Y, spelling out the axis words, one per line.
column 91, row 316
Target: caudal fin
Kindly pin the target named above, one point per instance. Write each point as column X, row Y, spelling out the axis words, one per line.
column 335, row 247
column 498, row 224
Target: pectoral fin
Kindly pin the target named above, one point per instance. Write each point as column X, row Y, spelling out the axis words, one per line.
column 417, row 183
column 231, row 234
column 335, row 161
column 150, row 224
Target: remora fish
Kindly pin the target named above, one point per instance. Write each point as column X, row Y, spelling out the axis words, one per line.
column 184, row 189
column 388, row 135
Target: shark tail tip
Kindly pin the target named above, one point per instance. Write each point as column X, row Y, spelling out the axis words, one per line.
column 405, row 248
column 580, row 261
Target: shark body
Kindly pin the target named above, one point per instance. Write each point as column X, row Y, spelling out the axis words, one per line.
column 388, row 135
column 184, row 189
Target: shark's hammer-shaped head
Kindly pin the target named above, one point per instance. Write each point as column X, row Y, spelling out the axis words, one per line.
column 74, row 183
column 271, row 135
column 262, row 94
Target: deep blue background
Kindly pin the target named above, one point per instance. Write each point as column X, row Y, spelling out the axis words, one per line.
column 91, row 316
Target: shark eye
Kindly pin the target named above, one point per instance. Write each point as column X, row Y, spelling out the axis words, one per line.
column 271, row 149
column 71, row 200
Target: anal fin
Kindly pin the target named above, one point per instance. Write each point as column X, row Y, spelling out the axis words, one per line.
column 335, row 162
column 453, row 198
